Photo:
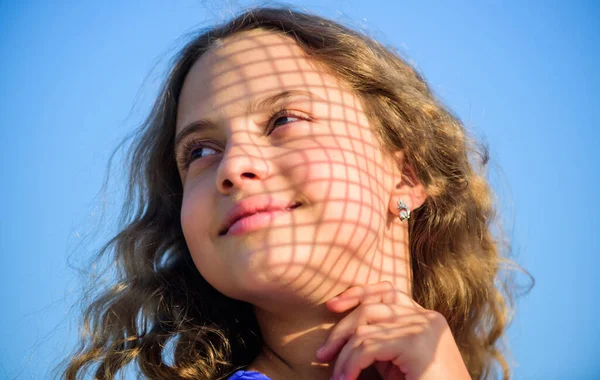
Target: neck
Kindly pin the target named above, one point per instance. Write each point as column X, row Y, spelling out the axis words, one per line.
column 292, row 337
column 291, row 342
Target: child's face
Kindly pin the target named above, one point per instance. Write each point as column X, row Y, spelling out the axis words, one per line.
column 317, row 150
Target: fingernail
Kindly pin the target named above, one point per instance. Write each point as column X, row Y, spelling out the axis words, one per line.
column 334, row 299
column 321, row 350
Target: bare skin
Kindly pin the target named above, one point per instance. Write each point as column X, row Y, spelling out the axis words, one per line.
column 324, row 155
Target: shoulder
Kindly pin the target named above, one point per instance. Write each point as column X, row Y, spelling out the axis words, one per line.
column 248, row 375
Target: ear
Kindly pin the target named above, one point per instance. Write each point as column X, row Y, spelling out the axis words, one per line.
column 407, row 186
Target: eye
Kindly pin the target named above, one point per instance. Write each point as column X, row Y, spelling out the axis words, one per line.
column 199, row 152
column 193, row 150
column 283, row 117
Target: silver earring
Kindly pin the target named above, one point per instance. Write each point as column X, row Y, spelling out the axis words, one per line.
column 404, row 211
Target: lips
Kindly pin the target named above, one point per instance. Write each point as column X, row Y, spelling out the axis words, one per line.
column 253, row 206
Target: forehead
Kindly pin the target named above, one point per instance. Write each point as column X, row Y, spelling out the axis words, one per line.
column 248, row 66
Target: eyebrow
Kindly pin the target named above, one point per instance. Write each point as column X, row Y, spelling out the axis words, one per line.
column 194, row 127
column 255, row 106
column 271, row 100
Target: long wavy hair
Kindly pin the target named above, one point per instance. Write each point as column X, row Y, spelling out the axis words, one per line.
column 164, row 316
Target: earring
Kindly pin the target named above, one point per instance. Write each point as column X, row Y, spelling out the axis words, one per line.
column 404, row 211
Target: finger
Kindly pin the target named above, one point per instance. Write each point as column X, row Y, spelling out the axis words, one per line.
column 400, row 345
column 328, row 351
column 352, row 324
column 368, row 293
column 383, row 292
column 398, row 326
column 389, row 371
column 362, row 337
column 371, row 351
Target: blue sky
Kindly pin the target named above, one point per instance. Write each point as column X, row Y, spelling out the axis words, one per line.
column 77, row 78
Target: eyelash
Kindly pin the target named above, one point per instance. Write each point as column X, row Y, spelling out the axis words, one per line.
column 190, row 145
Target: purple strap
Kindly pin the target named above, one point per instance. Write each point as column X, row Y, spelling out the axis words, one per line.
column 248, row 375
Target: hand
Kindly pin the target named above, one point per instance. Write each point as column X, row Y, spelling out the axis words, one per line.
column 392, row 332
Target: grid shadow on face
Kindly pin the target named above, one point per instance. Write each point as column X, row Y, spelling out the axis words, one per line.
column 263, row 128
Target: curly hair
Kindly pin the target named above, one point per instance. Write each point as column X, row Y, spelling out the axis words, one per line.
column 164, row 316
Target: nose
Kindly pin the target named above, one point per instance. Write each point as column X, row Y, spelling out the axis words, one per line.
column 242, row 162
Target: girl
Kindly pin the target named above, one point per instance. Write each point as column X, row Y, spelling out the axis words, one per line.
column 303, row 208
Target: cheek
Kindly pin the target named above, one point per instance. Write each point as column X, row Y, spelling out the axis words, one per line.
column 195, row 216
column 347, row 189
column 197, row 222
column 345, row 179
column 335, row 236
